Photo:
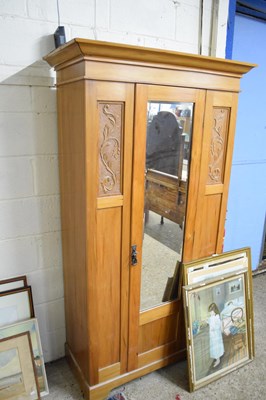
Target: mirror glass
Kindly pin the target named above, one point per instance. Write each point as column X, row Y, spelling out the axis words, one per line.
column 169, row 129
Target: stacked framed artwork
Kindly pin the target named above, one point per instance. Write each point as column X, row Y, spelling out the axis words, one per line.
column 218, row 309
column 22, row 370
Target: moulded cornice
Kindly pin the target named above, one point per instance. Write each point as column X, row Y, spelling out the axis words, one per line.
column 85, row 48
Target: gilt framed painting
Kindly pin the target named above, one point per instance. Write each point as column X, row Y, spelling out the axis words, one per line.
column 31, row 326
column 219, row 326
column 18, row 379
column 217, row 265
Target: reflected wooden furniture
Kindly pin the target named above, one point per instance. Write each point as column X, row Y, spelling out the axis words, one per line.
column 166, row 196
column 165, row 191
column 103, row 90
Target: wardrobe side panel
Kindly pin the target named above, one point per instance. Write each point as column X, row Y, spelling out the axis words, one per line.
column 218, row 140
column 110, row 155
column 109, row 282
column 73, row 215
column 109, row 121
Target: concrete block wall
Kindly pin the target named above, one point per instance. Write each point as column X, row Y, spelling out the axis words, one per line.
column 30, row 232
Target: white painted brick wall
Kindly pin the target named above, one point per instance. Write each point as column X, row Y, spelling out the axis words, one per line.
column 158, row 20
column 52, row 328
column 30, row 232
column 15, row 178
column 45, row 175
column 27, row 254
column 14, row 7
column 18, row 255
column 28, row 134
column 29, row 216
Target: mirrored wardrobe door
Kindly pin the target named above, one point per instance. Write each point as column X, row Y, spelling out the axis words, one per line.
column 168, row 144
column 164, row 129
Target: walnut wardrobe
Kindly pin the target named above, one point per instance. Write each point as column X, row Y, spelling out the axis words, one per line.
column 145, row 146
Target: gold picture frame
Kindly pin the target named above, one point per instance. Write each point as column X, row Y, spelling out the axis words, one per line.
column 217, row 265
column 31, row 326
column 219, row 327
column 18, row 375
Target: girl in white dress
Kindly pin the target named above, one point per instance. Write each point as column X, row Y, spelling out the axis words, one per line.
column 216, row 338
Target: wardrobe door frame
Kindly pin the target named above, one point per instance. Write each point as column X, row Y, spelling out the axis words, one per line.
column 139, row 319
column 108, row 225
column 215, row 169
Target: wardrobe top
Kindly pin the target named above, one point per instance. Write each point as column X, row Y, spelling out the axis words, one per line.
column 93, row 49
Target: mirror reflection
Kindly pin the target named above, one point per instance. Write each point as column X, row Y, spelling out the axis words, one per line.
column 169, row 128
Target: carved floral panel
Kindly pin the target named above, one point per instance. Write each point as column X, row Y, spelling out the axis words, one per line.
column 218, row 145
column 110, row 152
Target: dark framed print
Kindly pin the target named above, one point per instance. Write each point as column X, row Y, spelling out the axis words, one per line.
column 16, row 305
column 18, row 378
column 32, row 327
column 173, row 288
column 13, row 283
column 219, row 326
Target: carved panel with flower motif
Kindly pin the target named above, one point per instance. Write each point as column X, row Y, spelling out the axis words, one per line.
column 218, row 145
column 110, row 151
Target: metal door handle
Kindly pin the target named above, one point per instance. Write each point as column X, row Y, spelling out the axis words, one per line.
column 134, row 253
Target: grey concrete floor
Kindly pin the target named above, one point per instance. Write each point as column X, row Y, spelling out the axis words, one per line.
column 245, row 383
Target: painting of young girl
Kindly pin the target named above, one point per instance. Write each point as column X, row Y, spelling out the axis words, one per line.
column 215, row 332
column 219, row 329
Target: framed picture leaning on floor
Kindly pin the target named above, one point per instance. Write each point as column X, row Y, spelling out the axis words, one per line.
column 16, row 305
column 18, row 379
column 31, row 326
column 13, row 283
column 219, row 326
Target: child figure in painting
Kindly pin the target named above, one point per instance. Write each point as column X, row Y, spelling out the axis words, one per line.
column 216, row 339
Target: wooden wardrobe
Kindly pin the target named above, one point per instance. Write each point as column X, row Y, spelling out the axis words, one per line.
column 127, row 224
